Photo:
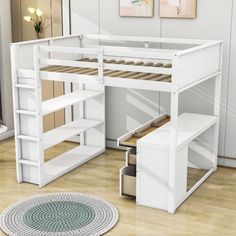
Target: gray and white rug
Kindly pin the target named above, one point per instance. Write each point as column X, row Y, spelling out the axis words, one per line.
column 59, row 214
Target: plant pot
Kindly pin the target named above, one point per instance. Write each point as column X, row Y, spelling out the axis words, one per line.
column 39, row 35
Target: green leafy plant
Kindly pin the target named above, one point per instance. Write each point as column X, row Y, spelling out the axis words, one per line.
column 37, row 20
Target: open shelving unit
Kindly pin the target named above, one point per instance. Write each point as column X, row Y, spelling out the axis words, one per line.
column 159, row 152
column 64, row 132
column 88, row 121
column 58, row 103
column 68, row 161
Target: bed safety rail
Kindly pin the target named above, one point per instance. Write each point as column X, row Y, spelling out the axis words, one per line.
column 54, row 51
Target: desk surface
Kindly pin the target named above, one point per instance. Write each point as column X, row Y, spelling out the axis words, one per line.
column 190, row 126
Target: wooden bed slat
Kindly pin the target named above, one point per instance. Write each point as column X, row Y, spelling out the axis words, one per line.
column 111, row 72
column 152, row 75
column 139, row 75
column 51, row 68
column 84, row 59
column 115, row 73
column 160, row 78
column 64, row 68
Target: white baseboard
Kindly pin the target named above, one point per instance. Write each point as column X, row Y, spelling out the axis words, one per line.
column 113, row 144
column 7, row 135
column 227, row 162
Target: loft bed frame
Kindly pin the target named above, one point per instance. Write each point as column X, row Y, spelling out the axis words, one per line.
column 87, row 64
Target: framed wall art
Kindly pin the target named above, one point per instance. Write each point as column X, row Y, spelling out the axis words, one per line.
column 178, row 9
column 137, row 8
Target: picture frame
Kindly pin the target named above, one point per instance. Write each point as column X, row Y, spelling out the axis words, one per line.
column 183, row 9
column 136, row 8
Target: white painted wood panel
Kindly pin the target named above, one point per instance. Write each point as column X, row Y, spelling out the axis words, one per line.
column 230, row 149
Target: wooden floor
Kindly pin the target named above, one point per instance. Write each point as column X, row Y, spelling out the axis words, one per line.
column 211, row 210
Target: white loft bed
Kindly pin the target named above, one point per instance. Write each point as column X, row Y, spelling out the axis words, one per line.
column 88, row 63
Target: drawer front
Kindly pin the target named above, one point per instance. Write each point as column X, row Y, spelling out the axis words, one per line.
column 128, row 181
column 131, row 155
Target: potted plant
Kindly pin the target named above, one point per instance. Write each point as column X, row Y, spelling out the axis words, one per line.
column 37, row 20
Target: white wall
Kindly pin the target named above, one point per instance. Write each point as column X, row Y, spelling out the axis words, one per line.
column 230, row 147
column 5, row 40
column 128, row 108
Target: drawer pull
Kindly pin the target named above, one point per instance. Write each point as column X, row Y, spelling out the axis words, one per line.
column 139, row 135
column 130, row 139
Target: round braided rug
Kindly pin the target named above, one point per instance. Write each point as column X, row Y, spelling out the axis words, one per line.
column 59, row 214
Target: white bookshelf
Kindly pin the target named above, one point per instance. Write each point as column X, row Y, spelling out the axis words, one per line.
column 88, row 121
column 70, row 99
column 68, row 161
column 64, row 132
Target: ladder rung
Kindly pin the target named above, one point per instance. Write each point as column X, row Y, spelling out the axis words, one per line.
column 25, row 112
column 28, row 138
column 25, row 86
column 27, row 162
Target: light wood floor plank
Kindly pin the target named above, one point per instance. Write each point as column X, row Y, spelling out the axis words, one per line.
column 210, row 211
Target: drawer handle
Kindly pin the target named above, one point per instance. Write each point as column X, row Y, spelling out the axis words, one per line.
column 138, row 135
column 161, row 123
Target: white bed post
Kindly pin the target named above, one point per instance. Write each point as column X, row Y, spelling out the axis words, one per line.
column 174, row 113
column 14, row 62
column 217, row 104
column 100, row 66
column 173, row 152
column 39, row 119
column 80, row 107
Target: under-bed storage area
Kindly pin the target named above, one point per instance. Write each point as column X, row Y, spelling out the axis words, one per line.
column 129, row 140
